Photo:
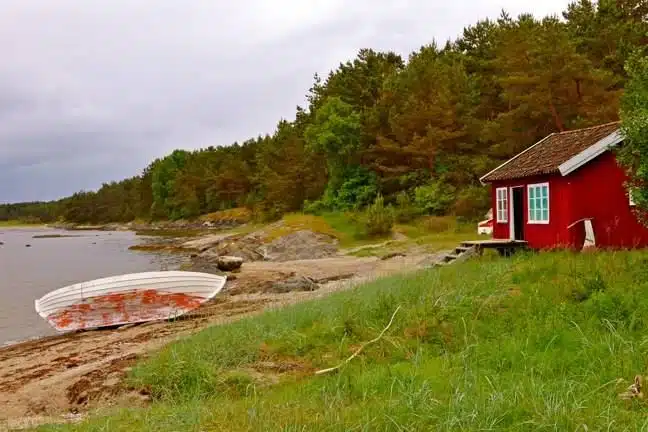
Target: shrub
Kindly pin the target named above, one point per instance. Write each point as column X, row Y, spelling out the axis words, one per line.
column 315, row 207
column 379, row 218
column 406, row 211
column 472, row 203
column 438, row 224
column 357, row 189
column 435, row 198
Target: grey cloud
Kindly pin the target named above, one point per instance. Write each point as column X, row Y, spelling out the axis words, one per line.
column 93, row 91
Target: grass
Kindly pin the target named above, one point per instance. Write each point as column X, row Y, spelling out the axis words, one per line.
column 19, row 224
column 431, row 234
column 239, row 214
column 531, row 343
column 345, row 227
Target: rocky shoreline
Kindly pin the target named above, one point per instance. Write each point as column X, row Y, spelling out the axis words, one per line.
column 59, row 378
column 224, row 223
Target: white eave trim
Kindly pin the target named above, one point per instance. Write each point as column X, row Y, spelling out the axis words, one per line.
column 590, row 153
column 481, row 179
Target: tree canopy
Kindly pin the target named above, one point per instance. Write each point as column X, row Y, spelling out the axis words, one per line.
column 419, row 131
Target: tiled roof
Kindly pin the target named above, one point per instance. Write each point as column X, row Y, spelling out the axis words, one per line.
column 547, row 155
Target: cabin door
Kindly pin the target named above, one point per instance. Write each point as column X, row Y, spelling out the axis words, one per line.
column 517, row 213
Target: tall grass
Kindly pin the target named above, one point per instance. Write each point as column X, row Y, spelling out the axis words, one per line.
column 531, row 343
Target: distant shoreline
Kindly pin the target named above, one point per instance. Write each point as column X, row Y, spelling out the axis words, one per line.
column 20, row 225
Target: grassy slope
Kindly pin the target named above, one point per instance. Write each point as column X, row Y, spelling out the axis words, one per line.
column 529, row 343
column 428, row 233
column 434, row 233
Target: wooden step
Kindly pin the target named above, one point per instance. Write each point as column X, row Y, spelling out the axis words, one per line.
column 449, row 258
column 461, row 249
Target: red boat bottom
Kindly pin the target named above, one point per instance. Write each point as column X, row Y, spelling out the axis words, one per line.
column 122, row 308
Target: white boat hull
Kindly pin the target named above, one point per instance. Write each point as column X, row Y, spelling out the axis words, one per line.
column 129, row 298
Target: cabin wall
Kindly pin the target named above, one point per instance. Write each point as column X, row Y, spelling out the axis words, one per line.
column 597, row 191
column 539, row 236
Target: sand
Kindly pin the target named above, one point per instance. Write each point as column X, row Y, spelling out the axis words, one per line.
column 62, row 378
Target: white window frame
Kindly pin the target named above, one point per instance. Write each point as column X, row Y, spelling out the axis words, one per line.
column 538, row 186
column 631, row 200
column 501, row 216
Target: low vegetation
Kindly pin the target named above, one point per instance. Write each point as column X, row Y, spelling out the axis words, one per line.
column 534, row 342
column 240, row 214
column 19, row 223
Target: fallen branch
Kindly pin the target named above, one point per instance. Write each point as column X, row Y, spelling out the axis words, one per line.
column 376, row 339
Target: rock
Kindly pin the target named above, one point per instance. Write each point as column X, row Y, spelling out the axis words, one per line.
column 300, row 245
column 391, row 255
column 246, row 248
column 296, row 283
column 202, row 265
column 229, row 263
column 207, row 242
column 432, row 260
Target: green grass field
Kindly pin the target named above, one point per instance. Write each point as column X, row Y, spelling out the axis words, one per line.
column 530, row 343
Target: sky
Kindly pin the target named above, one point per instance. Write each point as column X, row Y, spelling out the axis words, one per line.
column 92, row 92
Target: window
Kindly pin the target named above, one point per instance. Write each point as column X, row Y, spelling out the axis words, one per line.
column 502, row 205
column 538, row 203
column 631, row 200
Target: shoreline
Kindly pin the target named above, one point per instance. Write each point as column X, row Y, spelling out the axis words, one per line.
column 86, row 370
column 25, row 226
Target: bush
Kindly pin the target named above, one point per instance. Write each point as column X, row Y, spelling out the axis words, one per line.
column 315, row 207
column 472, row 203
column 379, row 218
column 358, row 189
column 438, row 224
column 435, row 198
column 406, row 211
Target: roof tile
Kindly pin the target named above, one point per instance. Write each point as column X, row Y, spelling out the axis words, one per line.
column 547, row 155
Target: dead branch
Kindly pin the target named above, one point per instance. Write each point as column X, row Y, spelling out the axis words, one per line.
column 376, row 339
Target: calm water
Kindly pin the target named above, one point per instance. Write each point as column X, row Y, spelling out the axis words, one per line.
column 26, row 273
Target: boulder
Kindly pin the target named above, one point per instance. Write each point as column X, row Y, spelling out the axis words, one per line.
column 206, row 242
column 295, row 283
column 245, row 247
column 300, row 245
column 229, row 263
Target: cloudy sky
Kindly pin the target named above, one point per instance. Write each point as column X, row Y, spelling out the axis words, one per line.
column 92, row 91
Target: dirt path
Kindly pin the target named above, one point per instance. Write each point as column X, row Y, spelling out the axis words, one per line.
column 59, row 378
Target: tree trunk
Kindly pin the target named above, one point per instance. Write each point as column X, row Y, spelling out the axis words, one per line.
column 557, row 120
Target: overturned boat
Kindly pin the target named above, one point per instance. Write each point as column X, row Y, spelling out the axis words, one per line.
column 126, row 299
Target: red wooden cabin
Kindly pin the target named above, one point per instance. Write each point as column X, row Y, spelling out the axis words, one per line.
column 546, row 194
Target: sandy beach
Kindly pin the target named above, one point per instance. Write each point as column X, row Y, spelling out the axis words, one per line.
column 59, row 378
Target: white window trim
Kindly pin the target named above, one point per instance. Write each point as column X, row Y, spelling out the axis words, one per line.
column 534, row 222
column 497, row 201
column 631, row 200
